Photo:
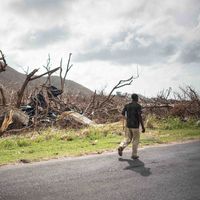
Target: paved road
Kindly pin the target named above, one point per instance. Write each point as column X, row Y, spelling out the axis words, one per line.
column 162, row 173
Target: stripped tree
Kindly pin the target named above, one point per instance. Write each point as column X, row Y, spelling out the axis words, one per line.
column 31, row 77
column 63, row 78
column 98, row 103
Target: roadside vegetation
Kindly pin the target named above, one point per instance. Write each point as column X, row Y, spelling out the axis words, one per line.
column 54, row 143
column 37, row 104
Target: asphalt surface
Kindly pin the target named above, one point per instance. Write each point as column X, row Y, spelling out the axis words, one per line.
column 162, row 173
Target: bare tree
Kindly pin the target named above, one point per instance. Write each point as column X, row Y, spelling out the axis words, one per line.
column 99, row 103
column 190, row 101
column 63, row 78
column 31, row 77
column 164, row 94
column 48, row 69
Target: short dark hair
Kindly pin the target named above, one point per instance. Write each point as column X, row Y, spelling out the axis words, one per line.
column 134, row 97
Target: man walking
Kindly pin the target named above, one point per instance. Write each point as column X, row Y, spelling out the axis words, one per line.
column 132, row 114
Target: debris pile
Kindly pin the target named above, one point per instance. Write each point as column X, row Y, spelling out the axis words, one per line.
column 48, row 105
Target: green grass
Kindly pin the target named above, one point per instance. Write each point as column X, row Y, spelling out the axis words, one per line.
column 52, row 143
column 56, row 143
column 171, row 123
column 167, row 136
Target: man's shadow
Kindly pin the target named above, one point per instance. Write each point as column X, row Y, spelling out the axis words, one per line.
column 137, row 166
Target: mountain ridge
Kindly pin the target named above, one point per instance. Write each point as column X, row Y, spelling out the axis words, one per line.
column 12, row 79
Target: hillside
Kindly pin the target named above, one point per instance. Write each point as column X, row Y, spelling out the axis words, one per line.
column 13, row 79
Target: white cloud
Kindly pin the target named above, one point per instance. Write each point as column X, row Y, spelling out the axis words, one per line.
column 108, row 39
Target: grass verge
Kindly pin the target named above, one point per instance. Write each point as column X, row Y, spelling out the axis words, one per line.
column 52, row 143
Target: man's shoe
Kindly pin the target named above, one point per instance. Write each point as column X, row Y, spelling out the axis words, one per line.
column 134, row 157
column 120, row 149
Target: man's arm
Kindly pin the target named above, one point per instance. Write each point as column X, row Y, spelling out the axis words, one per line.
column 141, row 120
column 142, row 123
column 123, row 121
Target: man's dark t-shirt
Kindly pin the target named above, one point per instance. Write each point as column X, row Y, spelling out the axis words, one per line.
column 132, row 112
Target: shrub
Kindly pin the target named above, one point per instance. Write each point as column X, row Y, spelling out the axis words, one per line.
column 23, row 143
column 151, row 122
column 94, row 133
column 8, row 144
column 170, row 123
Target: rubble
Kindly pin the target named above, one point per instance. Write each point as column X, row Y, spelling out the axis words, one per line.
column 48, row 105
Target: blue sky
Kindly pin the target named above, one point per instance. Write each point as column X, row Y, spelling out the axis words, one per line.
column 108, row 40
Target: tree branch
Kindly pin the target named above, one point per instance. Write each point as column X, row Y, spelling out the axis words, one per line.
column 48, row 68
column 66, row 72
column 49, row 72
column 120, row 84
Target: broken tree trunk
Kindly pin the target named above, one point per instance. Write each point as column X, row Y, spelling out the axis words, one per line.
column 31, row 77
column 3, row 95
column 74, row 120
column 14, row 116
column 20, row 93
column 6, row 122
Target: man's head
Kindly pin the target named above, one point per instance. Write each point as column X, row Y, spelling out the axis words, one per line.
column 134, row 97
